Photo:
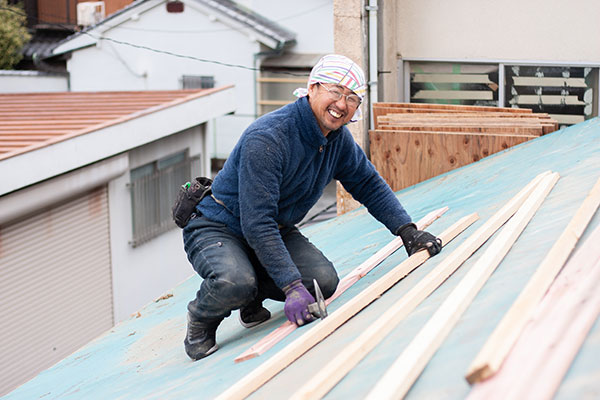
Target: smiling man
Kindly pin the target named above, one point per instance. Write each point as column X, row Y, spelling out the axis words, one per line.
column 243, row 240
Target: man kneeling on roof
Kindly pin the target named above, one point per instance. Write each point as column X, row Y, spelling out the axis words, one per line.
column 243, row 241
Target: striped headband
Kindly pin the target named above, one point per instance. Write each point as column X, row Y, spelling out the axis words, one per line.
column 339, row 70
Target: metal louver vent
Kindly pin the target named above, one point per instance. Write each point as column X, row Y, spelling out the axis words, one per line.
column 563, row 92
column 453, row 83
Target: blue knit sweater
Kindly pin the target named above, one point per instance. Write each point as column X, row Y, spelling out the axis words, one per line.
column 277, row 172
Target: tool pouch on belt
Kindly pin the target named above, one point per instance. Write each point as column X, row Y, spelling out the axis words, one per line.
column 188, row 197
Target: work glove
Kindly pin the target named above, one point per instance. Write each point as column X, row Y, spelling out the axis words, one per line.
column 415, row 240
column 297, row 299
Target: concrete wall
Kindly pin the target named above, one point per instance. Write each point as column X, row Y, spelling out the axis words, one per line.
column 141, row 274
column 32, row 81
column 548, row 30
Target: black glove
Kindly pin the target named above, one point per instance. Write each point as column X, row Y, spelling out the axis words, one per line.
column 415, row 240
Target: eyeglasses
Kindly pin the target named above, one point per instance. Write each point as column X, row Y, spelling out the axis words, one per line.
column 335, row 94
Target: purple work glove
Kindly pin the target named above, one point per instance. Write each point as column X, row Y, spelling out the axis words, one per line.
column 297, row 299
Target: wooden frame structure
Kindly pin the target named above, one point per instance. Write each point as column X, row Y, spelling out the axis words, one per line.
column 340, row 365
column 498, row 345
column 288, row 327
column 323, row 328
column 399, row 378
column 544, row 352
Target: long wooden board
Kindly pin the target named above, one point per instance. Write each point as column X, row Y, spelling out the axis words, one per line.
column 498, row 345
column 539, row 360
column 465, row 128
column 322, row 329
column 350, row 279
column 399, row 378
column 325, row 379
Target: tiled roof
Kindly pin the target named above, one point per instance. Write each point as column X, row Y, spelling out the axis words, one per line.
column 32, row 120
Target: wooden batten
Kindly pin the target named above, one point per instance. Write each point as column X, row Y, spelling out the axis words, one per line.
column 267, row 370
column 288, row 327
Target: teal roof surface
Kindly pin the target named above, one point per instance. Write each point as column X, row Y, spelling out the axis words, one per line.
column 144, row 358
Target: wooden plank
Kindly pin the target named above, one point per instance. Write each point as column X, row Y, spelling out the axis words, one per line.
column 323, row 328
column 288, row 327
column 325, row 379
column 399, row 378
column 544, row 352
column 498, row 345
column 407, row 159
column 458, row 132
column 472, row 114
column 467, row 128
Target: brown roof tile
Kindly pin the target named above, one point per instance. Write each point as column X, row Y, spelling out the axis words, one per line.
column 32, row 120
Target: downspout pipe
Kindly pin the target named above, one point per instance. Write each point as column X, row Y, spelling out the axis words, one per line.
column 372, row 9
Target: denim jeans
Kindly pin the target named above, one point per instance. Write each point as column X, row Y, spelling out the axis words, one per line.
column 232, row 275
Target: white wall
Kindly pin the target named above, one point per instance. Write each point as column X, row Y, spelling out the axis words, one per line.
column 311, row 20
column 144, row 273
column 31, row 81
column 536, row 30
column 113, row 66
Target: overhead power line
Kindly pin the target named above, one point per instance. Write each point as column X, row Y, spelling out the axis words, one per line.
column 147, row 48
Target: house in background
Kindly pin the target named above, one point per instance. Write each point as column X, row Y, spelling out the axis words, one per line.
column 86, row 235
column 165, row 45
column 50, row 22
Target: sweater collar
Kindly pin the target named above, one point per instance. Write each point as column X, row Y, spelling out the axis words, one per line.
column 310, row 130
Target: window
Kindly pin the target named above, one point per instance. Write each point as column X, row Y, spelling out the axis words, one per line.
column 275, row 90
column 279, row 77
column 197, row 82
column 154, row 187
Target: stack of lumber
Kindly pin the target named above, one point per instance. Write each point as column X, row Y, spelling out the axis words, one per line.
column 415, row 142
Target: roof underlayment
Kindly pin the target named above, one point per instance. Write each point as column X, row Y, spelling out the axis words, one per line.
column 144, row 358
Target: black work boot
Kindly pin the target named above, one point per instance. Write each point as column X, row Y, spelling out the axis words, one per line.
column 200, row 339
column 253, row 314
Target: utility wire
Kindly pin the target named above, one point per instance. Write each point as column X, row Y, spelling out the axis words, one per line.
column 215, row 30
column 169, row 53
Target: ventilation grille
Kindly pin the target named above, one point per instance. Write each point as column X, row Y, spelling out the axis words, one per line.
column 450, row 83
column 563, row 92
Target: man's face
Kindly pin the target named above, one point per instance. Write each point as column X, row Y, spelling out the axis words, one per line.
column 331, row 114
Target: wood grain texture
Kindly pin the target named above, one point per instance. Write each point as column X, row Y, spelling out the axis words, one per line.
column 542, row 355
column 323, row 328
column 340, row 365
column 404, row 159
column 399, row 378
column 498, row 345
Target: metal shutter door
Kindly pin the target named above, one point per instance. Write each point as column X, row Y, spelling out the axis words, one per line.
column 56, row 286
